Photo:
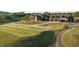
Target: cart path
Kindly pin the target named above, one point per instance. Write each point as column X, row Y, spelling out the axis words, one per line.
column 58, row 37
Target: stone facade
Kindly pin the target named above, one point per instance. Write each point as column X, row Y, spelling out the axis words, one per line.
column 57, row 17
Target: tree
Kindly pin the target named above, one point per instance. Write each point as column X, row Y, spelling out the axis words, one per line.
column 76, row 14
column 2, row 18
column 46, row 13
column 25, row 18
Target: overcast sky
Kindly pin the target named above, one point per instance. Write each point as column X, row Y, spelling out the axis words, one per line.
column 39, row 5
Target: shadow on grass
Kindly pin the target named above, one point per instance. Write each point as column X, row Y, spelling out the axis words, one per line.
column 44, row 39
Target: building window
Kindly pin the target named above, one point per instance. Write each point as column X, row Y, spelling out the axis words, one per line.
column 57, row 16
column 63, row 16
column 53, row 16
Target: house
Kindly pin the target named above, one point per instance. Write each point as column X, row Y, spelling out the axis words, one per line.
column 70, row 19
column 76, row 19
column 60, row 17
column 56, row 17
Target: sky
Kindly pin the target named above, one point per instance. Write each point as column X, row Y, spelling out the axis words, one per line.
column 39, row 5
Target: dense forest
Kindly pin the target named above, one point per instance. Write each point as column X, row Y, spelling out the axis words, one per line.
column 7, row 17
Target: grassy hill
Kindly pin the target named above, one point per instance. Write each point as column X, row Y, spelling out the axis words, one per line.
column 25, row 36
column 71, row 38
column 55, row 26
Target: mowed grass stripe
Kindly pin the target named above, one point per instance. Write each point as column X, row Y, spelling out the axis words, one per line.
column 7, row 39
column 9, row 36
column 19, row 31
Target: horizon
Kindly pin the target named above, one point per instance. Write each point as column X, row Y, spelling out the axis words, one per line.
column 41, row 11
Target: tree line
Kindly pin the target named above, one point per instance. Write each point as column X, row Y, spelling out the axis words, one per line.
column 6, row 17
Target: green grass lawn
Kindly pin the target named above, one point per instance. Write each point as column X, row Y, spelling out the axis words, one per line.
column 25, row 37
column 55, row 26
column 30, row 22
column 71, row 38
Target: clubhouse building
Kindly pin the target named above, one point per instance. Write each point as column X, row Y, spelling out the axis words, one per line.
column 54, row 17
